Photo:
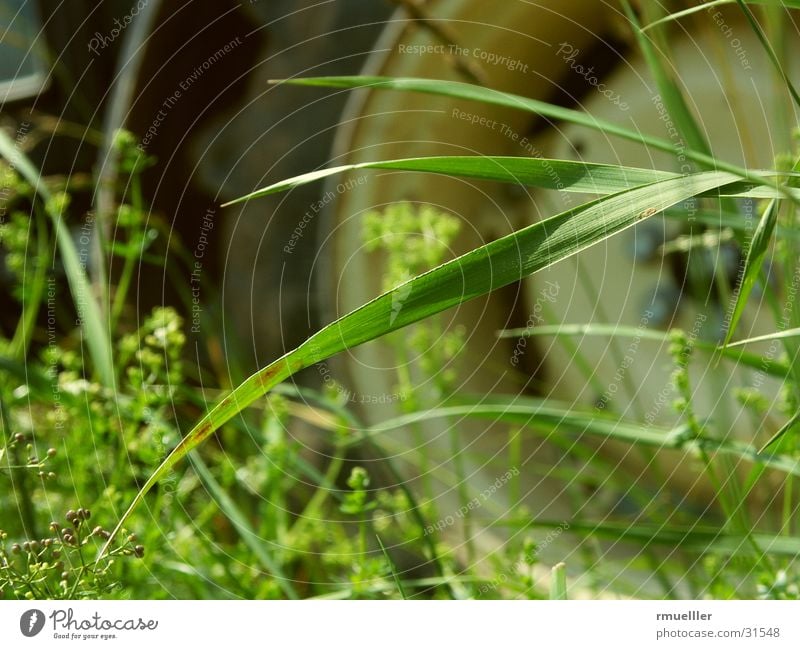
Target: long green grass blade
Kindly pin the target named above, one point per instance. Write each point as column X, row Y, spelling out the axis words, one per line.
column 524, row 411
column 696, row 539
column 566, row 175
column 668, row 89
column 789, row 4
column 788, row 333
column 561, row 175
column 91, row 320
column 242, row 525
column 773, row 57
column 755, row 361
column 471, row 92
column 558, row 583
column 753, row 264
column 472, row 275
column 392, row 568
column 781, row 432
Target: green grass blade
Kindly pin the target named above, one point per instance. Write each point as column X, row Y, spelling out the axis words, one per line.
column 789, row 4
column 753, row 264
column 781, row 432
column 558, row 583
column 392, row 568
column 499, row 263
column 242, row 525
column 755, row 361
column 469, row 92
column 670, row 92
column 788, row 333
column 524, row 411
column 566, row 175
column 773, row 57
column 695, row 539
column 561, row 175
column 91, row 320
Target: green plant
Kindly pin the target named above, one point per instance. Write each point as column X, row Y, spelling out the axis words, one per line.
column 631, row 195
column 252, row 514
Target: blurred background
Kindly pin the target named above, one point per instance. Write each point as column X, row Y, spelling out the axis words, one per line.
column 147, row 116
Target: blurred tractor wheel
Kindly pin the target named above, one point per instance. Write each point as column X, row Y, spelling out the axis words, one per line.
column 578, row 54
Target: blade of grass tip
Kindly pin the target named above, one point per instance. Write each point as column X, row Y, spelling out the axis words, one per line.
column 670, row 92
column 788, row 333
column 474, row 274
column 773, row 57
column 754, row 261
column 90, row 317
column 558, row 581
column 562, row 175
column 392, row 568
column 565, row 419
column 783, row 430
column 789, row 4
column 241, row 524
column 695, row 538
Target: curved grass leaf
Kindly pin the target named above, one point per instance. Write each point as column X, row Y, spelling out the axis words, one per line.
column 755, row 361
column 566, row 175
column 699, row 539
column 562, row 175
column 534, row 412
column 242, row 525
column 773, row 57
column 91, row 320
column 795, row 418
column 789, row 4
column 469, row 92
column 469, row 276
column 669, row 90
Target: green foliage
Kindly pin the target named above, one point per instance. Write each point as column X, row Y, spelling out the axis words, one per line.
column 253, row 513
